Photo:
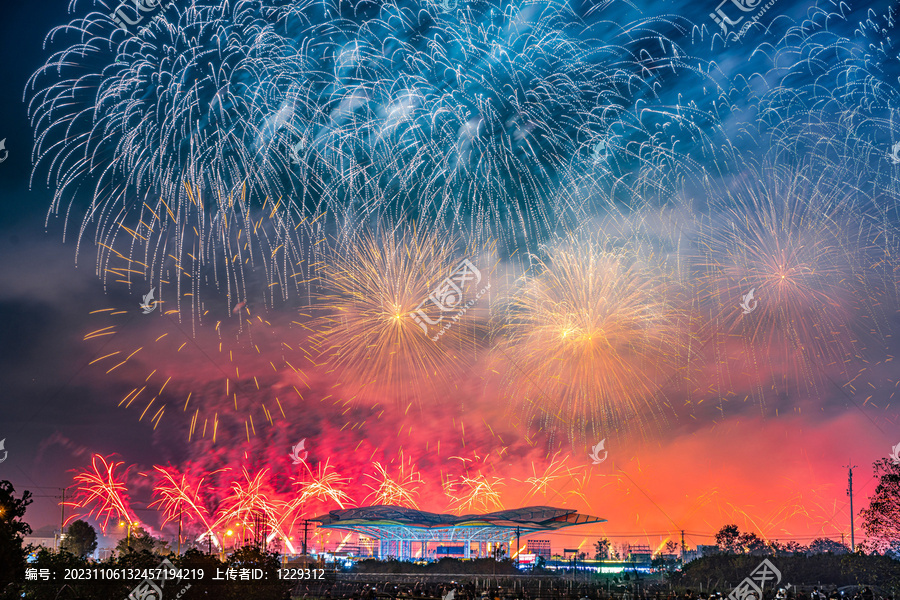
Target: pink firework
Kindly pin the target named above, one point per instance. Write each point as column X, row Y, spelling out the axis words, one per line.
column 102, row 491
column 179, row 500
column 252, row 502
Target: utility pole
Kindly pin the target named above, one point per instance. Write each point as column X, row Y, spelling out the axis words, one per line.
column 850, row 493
column 62, row 517
column 682, row 546
column 305, row 531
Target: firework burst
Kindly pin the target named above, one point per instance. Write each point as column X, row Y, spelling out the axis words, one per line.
column 809, row 256
column 253, row 503
column 504, row 119
column 399, row 491
column 324, row 486
column 380, row 329
column 103, row 492
column 180, row 500
column 479, row 493
column 551, row 479
column 589, row 336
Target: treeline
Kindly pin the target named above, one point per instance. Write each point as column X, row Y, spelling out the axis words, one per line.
column 725, row 571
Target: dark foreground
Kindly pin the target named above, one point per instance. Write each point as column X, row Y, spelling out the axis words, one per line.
column 847, row 577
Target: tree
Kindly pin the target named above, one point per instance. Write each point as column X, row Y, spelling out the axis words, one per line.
column 881, row 520
column 142, row 540
column 80, row 540
column 601, row 549
column 893, row 550
column 615, row 554
column 788, row 549
column 728, row 539
column 12, row 531
column 671, row 547
column 823, row 545
column 752, row 544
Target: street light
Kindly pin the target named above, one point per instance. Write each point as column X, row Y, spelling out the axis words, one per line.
column 129, row 524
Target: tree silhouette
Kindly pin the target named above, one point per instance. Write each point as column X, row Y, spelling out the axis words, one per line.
column 601, row 548
column 823, row 545
column 12, row 531
column 881, row 520
column 80, row 540
column 142, row 540
column 751, row 543
column 728, row 539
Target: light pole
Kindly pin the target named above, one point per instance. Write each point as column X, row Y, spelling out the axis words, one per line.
column 128, row 525
column 850, row 468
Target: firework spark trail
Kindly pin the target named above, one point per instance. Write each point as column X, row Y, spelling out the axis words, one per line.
column 103, row 492
column 371, row 330
column 323, row 486
column 177, row 499
column 249, row 500
column 232, row 352
column 399, row 491
column 593, row 326
column 491, row 119
column 802, row 246
column 186, row 253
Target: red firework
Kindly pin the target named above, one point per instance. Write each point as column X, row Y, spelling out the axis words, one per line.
column 102, row 491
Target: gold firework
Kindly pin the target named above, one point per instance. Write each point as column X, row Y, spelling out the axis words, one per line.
column 324, row 486
column 218, row 378
column 399, row 491
column 480, row 493
column 589, row 339
column 399, row 312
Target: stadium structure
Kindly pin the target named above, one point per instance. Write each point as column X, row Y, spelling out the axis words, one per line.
column 406, row 533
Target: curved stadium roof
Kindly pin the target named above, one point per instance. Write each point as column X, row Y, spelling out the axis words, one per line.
column 400, row 523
